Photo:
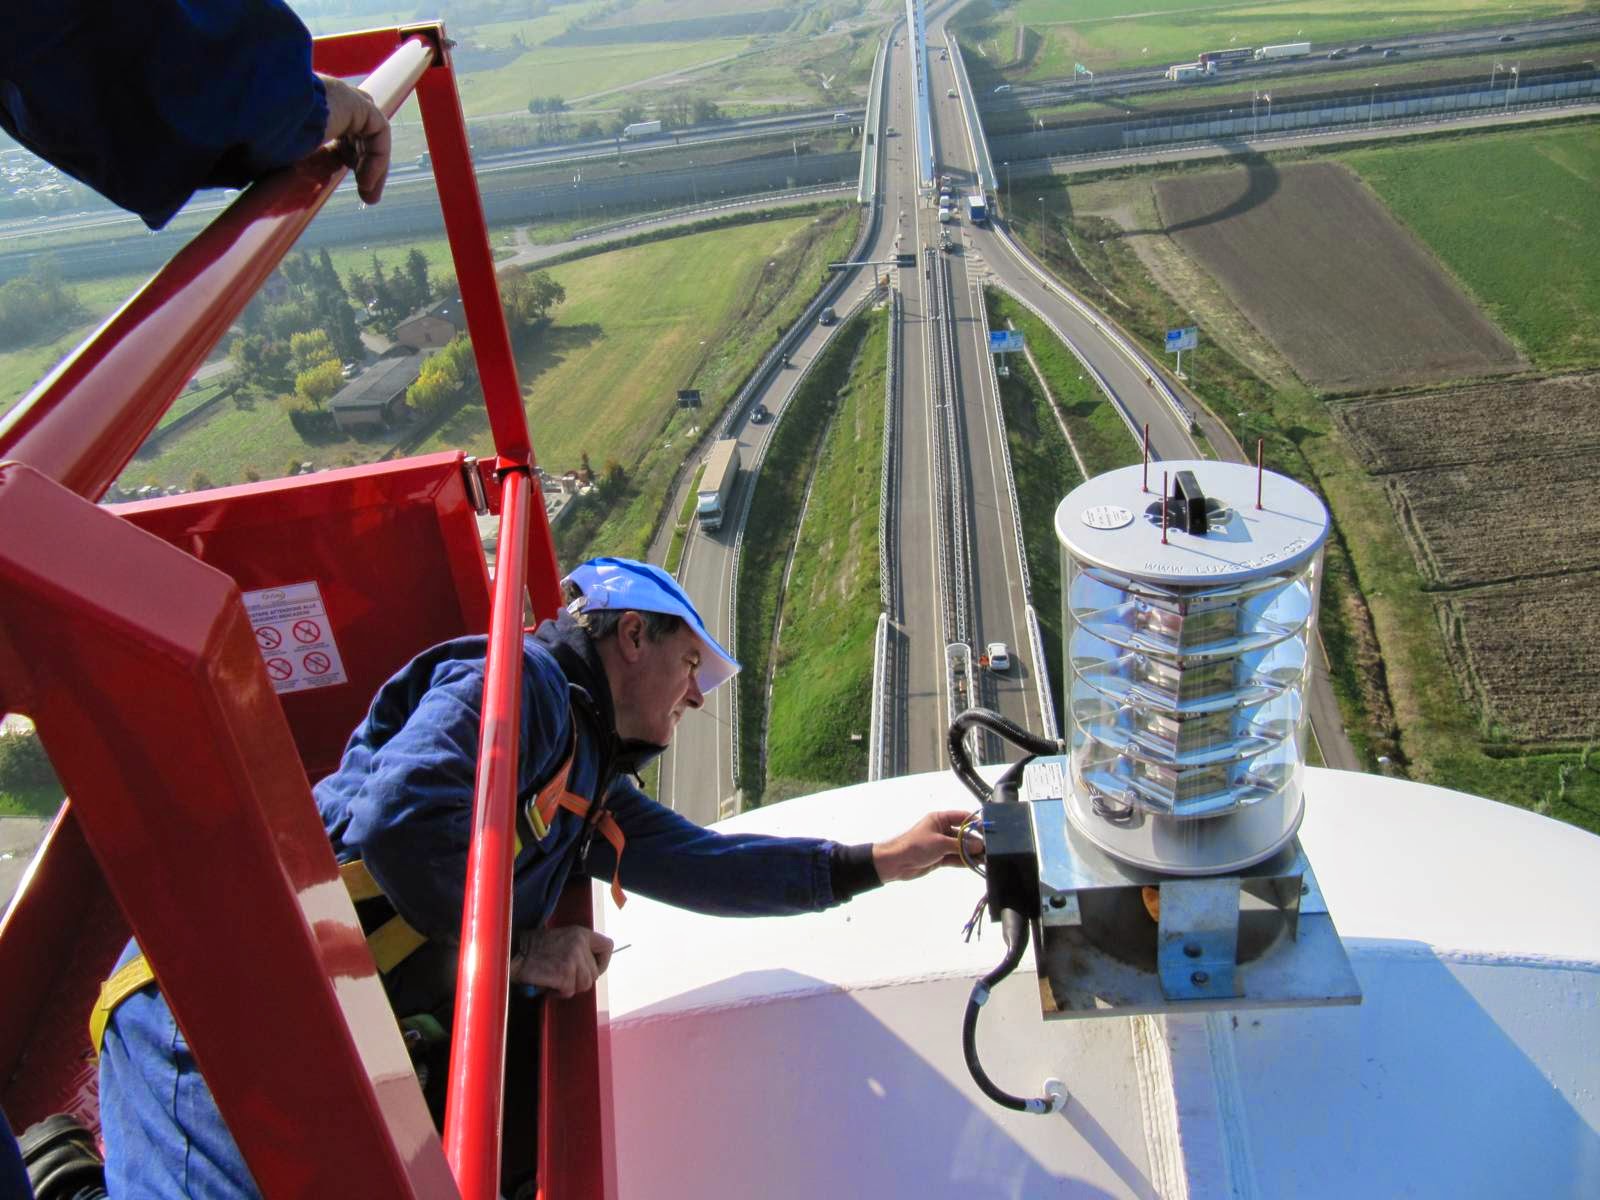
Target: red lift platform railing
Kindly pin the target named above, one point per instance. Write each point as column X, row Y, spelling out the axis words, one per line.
column 190, row 820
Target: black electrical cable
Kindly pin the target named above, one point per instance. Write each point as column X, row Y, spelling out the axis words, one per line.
column 987, row 718
column 1014, row 927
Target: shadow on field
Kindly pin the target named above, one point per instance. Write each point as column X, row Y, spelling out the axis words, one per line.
column 1262, row 182
column 549, row 346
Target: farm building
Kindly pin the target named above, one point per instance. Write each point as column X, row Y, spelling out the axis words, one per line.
column 433, row 327
column 373, row 399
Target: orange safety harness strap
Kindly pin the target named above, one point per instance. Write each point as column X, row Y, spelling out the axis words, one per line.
column 554, row 795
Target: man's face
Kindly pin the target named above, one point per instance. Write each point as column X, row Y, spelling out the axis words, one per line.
column 659, row 682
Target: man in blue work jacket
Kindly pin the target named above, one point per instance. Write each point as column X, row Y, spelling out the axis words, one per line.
column 603, row 688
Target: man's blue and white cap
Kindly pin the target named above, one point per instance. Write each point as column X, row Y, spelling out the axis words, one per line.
column 622, row 583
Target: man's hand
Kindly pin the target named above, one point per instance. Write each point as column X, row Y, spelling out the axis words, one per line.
column 356, row 122
column 565, row 961
column 930, row 843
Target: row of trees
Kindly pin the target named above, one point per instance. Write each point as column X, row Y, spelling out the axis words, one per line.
column 392, row 298
column 444, row 379
column 37, row 306
column 310, row 297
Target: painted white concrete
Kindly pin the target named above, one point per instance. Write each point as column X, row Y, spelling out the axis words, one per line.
column 820, row 1055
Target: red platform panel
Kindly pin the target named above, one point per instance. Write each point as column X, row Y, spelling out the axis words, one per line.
column 394, row 552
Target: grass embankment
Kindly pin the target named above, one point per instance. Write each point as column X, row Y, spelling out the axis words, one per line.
column 1037, row 406
column 1301, row 441
column 693, row 312
column 820, row 724
column 1514, row 216
column 775, row 510
column 681, row 529
column 1101, row 34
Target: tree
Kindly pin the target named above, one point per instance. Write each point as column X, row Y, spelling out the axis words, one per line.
column 615, row 477
column 200, row 482
column 311, row 349
column 319, row 382
column 417, row 273
column 528, row 296
column 705, row 110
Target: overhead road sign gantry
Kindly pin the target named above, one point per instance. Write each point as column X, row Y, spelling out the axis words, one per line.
column 899, row 260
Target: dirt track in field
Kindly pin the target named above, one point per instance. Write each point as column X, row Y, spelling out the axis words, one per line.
column 1495, row 486
column 1346, row 294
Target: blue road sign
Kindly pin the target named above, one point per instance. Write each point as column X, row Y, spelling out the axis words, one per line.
column 1182, row 339
column 1005, row 341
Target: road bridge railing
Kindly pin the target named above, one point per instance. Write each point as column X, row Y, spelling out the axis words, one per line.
column 977, row 143
column 871, row 141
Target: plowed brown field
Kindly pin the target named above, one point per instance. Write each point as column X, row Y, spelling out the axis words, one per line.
column 1498, row 489
column 1349, row 297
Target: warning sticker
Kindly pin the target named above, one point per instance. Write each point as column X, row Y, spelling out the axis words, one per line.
column 295, row 636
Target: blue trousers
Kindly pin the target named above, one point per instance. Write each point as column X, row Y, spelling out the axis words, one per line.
column 165, row 1138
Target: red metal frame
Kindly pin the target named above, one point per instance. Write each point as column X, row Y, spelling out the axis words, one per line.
column 140, row 668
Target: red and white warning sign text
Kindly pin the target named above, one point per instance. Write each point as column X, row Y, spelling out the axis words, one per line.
column 296, row 639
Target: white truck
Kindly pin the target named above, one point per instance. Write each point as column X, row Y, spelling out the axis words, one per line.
column 641, row 129
column 722, row 468
column 1182, row 72
column 1286, row 50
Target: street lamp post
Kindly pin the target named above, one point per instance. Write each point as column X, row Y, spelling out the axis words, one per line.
column 577, row 191
column 1372, row 104
column 1516, row 82
column 1494, row 72
column 694, row 183
column 1007, row 165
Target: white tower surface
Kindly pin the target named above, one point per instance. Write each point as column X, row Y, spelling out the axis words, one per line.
column 821, row 1055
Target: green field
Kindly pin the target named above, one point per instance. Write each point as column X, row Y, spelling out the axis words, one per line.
column 696, row 311
column 820, row 723
column 1515, row 217
column 576, row 72
column 1107, row 34
column 23, row 366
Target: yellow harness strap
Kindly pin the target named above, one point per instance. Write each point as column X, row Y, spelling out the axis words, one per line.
column 393, row 941
column 128, row 979
column 391, row 944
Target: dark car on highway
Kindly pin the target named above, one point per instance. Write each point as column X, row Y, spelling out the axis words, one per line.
column 758, row 415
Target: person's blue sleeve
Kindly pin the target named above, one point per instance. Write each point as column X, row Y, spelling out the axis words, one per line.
column 148, row 102
column 411, row 820
column 669, row 858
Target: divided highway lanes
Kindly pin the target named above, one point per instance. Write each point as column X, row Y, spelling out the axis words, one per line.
column 697, row 772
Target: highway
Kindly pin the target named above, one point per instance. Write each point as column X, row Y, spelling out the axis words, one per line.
column 697, row 772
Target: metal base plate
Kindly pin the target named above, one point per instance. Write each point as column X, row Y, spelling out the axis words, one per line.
column 1100, row 953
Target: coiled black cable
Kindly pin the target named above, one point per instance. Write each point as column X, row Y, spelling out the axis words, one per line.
column 1014, row 927
column 987, row 718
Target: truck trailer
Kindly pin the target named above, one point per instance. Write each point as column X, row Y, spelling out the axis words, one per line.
column 1181, row 72
column 722, row 468
column 641, row 129
column 978, row 208
column 1286, row 50
column 1223, row 57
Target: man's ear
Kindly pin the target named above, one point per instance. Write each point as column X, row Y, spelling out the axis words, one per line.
column 630, row 636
